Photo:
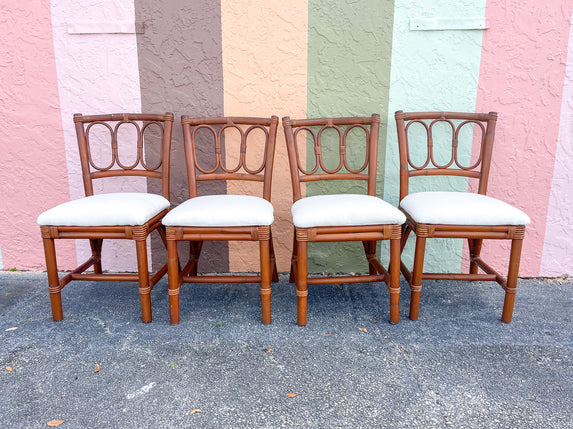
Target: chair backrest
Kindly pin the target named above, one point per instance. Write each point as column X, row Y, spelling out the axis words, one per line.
column 478, row 128
column 302, row 132
column 230, row 140
column 117, row 133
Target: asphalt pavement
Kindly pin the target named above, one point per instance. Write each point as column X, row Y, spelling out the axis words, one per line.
column 457, row 366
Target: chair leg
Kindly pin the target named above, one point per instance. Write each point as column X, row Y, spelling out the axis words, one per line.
column 301, row 282
column 394, row 288
column 416, row 284
column 475, row 250
column 266, row 273
column 174, row 282
column 194, row 253
column 292, row 277
column 144, row 283
column 96, row 245
column 370, row 250
column 511, row 287
column 53, row 279
column 275, row 272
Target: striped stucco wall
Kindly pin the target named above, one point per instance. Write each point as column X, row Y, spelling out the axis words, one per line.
column 314, row 58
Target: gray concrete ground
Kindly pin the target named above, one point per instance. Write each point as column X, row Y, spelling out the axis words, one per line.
column 457, row 366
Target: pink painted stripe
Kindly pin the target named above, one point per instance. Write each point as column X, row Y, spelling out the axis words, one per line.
column 521, row 77
column 33, row 172
column 557, row 251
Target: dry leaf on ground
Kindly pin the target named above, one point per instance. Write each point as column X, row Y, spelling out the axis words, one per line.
column 96, row 369
column 8, row 368
column 196, row 410
column 292, row 395
column 328, row 335
column 269, row 350
column 53, row 423
column 362, row 329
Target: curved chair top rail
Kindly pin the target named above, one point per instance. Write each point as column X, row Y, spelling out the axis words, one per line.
column 483, row 132
column 142, row 123
column 313, row 130
column 213, row 131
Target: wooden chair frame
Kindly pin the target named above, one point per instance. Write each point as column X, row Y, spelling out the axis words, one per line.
column 474, row 234
column 196, row 235
column 97, row 234
column 368, row 234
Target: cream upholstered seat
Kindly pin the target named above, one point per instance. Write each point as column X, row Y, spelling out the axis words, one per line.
column 221, row 210
column 344, row 209
column 340, row 217
column 461, row 208
column 122, row 208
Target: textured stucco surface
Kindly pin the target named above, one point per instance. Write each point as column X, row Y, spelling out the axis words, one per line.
column 311, row 59
column 349, row 53
column 557, row 256
column 97, row 73
column 264, row 68
column 431, row 70
column 521, row 76
column 33, row 174
column 181, row 71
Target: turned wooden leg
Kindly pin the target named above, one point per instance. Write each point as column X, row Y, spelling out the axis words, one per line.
column 144, row 283
column 53, row 279
column 301, row 283
column 394, row 286
column 173, row 281
column 416, row 284
column 511, row 287
column 266, row 272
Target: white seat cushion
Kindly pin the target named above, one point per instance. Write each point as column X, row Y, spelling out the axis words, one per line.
column 344, row 210
column 122, row 208
column 221, row 210
column 461, row 208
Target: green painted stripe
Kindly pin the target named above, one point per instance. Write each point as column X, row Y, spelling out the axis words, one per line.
column 432, row 70
column 349, row 47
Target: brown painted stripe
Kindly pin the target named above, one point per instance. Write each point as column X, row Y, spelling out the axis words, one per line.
column 180, row 66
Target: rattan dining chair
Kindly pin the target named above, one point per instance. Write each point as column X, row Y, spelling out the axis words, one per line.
column 468, row 215
column 241, row 142
column 121, row 215
column 340, row 217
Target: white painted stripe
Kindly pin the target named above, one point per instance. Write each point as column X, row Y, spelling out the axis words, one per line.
column 96, row 74
column 557, row 256
column 105, row 27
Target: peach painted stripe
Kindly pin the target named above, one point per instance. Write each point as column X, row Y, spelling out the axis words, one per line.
column 557, row 250
column 515, row 80
column 33, row 174
column 97, row 73
column 264, row 74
